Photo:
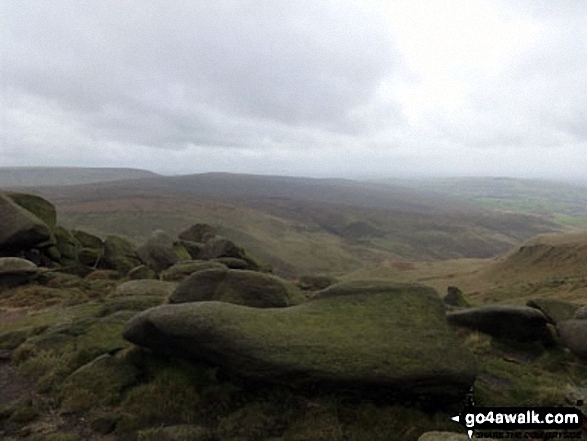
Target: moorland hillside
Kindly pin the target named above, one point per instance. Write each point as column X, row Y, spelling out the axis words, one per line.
column 301, row 225
column 190, row 336
column 39, row 176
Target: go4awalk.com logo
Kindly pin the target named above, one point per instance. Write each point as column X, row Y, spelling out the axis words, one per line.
column 521, row 422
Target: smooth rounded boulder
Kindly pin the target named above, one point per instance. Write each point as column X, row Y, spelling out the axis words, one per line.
column 119, row 254
column 573, row 334
column 240, row 287
column 15, row 271
column 158, row 252
column 183, row 269
column 21, row 229
column 379, row 338
column 519, row 323
column 555, row 310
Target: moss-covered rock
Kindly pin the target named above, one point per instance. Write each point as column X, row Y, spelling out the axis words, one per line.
column 221, row 247
column 239, row 264
column 181, row 252
column 573, row 334
column 15, row 271
column 40, row 207
column 158, row 252
column 198, row 233
column 98, row 382
column 130, row 303
column 181, row 270
column 456, row 297
column 142, row 272
column 119, row 254
column 88, row 240
column 518, row 323
column 21, row 230
column 193, row 248
column 388, row 339
column 89, row 256
column 248, row 288
column 67, row 245
column 145, row 287
column 555, row 310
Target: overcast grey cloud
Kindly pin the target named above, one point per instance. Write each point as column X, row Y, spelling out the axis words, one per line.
column 313, row 88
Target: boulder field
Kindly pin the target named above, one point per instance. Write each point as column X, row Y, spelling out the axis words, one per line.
column 382, row 338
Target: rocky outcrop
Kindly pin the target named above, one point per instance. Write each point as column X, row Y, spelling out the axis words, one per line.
column 68, row 246
column 157, row 252
column 387, row 339
column 219, row 246
column 119, row 254
column 573, row 334
column 198, row 233
column 181, row 270
column 21, row 229
column 519, row 323
column 248, row 288
column 41, row 208
column 15, row 271
column 455, row 297
column 555, row 310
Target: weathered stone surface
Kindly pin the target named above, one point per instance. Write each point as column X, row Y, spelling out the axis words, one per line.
column 142, row 272
column 248, row 288
column 456, row 297
column 443, row 436
column 145, row 287
column 555, row 310
column 183, row 269
column 193, row 248
column 520, row 323
column 573, row 334
column 88, row 240
column 41, row 208
column 97, row 382
column 158, row 252
column 89, row 256
column 235, row 263
column 119, row 254
column 198, row 233
column 375, row 337
column 67, row 245
column 221, row 247
column 15, row 271
column 20, row 229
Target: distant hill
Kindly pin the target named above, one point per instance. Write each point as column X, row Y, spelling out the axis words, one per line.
column 300, row 225
column 49, row 176
column 564, row 202
column 555, row 255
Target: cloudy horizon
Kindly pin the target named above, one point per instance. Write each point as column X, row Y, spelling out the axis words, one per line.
column 325, row 89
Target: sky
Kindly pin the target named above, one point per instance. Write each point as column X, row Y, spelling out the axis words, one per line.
column 343, row 88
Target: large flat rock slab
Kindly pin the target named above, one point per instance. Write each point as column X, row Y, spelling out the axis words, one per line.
column 390, row 339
